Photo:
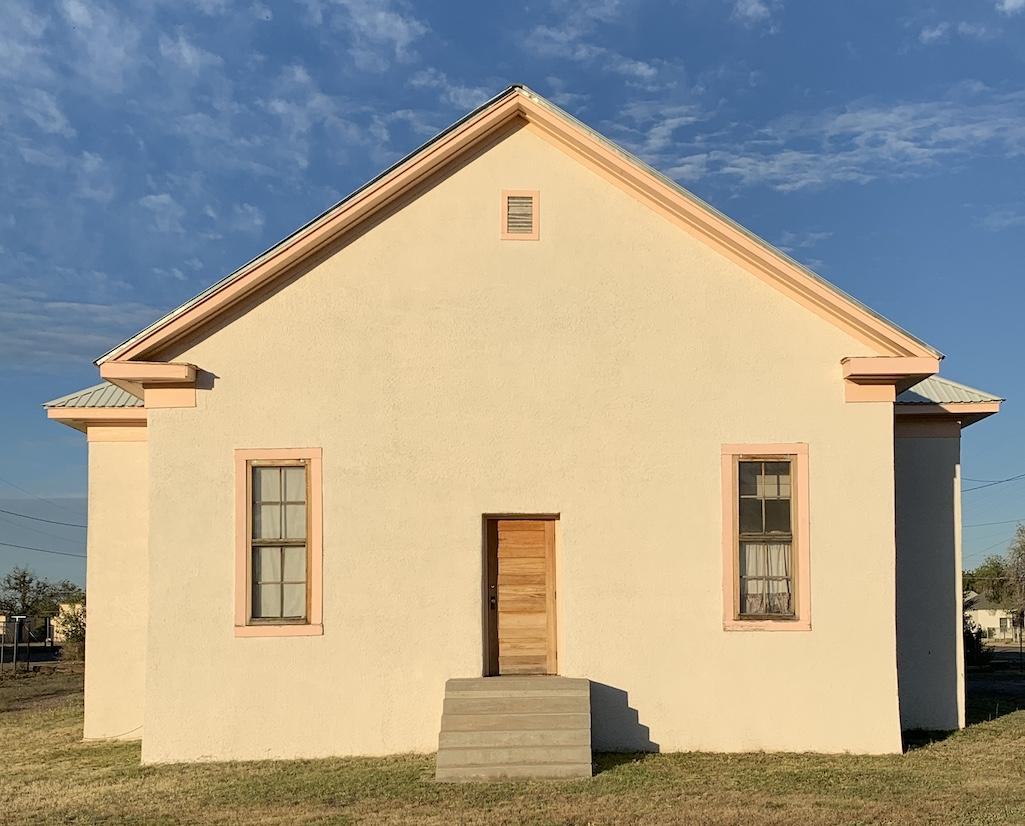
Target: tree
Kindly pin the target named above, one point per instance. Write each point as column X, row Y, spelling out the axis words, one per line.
column 1015, row 564
column 24, row 593
column 991, row 579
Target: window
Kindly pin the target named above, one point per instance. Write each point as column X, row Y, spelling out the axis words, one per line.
column 521, row 215
column 278, row 542
column 765, row 537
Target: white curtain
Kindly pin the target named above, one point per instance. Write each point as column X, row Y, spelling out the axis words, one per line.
column 766, row 584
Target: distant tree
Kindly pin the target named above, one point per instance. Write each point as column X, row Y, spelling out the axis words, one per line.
column 1015, row 564
column 991, row 579
column 22, row 592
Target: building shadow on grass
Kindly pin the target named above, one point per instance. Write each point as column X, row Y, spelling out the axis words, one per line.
column 617, row 734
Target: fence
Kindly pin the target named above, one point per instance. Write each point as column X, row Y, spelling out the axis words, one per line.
column 24, row 640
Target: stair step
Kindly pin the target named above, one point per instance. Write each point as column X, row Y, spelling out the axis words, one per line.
column 555, row 737
column 515, row 705
column 512, row 755
column 503, row 684
column 515, row 722
column 563, row 771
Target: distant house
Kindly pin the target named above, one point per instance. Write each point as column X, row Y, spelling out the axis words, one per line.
column 522, row 408
column 996, row 622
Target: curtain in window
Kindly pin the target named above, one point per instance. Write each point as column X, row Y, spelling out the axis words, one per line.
column 766, row 578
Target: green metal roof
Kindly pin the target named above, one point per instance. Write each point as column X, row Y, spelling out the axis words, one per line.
column 103, row 394
column 936, row 390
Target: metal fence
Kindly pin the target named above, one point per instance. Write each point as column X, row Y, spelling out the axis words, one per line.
column 24, row 640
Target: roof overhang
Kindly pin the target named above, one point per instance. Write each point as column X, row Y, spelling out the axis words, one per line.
column 158, row 384
column 964, row 413
column 516, row 107
column 880, row 379
column 120, row 424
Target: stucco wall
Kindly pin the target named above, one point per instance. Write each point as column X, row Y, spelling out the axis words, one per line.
column 929, row 646
column 116, row 590
column 594, row 373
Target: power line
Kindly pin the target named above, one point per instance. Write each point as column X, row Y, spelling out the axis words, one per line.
column 40, row 550
column 34, row 496
column 994, row 482
column 38, row 519
column 34, row 529
column 984, row 524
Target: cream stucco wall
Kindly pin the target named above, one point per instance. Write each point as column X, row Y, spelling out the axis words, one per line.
column 116, row 590
column 594, row 373
column 930, row 654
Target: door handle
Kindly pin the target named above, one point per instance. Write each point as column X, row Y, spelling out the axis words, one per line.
column 493, row 601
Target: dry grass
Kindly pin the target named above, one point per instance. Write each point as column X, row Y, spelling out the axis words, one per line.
column 48, row 776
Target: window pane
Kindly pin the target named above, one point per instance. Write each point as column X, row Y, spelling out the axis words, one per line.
column 777, row 516
column 295, row 601
column 295, row 484
column 266, row 601
column 295, row 521
column 777, row 479
column 294, row 569
column 750, row 515
column 266, row 564
column 267, row 522
column 766, row 578
column 749, row 472
column 266, row 484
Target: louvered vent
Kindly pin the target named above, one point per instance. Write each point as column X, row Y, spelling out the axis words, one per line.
column 519, row 216
column 521, row 210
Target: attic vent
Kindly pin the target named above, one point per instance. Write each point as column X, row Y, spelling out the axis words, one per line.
column 520, row 215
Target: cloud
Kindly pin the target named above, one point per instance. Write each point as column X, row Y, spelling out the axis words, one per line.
column 458, row 95
column 106, row 43
column 756, row 13
column 1010, row 7
column 934, row 34
column 167, row 213
column 791, row 241
column 381, row 32
column 185, row 54
column 862, row 142
column 1004, row 218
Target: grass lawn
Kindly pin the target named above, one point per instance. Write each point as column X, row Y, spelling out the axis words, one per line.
column 48, row 776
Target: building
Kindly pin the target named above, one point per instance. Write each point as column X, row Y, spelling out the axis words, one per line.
column 356, row 468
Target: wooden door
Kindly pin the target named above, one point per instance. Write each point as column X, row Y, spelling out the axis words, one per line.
column 521, row 593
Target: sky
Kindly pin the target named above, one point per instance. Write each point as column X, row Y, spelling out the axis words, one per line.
column 147, row 148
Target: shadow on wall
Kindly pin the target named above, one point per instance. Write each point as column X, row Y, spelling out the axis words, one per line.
column 615, row 726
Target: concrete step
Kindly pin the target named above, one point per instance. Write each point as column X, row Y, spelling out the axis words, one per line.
column 497, row 728
column 452, row 756
column 546, row 737
column 565, row 771
column 551, row 704
column 515, row 722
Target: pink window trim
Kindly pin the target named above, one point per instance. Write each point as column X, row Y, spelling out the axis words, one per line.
column 243, row 524
column 798, row 454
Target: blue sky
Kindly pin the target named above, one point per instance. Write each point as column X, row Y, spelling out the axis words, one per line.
column 148, row 148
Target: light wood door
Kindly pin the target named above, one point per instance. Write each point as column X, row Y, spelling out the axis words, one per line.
column 523, row 591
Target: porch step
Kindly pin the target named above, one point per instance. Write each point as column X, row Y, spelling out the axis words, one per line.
column 505, row 728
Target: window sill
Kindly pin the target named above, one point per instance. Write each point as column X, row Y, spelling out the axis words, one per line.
column 767, row 625
column 279, row 630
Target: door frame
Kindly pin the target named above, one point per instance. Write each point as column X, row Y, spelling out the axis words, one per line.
column 489, row 577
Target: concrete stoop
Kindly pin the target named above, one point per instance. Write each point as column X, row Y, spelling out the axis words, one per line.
column 506, row 728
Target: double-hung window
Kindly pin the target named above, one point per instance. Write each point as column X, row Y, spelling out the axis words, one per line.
column 766, row 583
column 278, row 542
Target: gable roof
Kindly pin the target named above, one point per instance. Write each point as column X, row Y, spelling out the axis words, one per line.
column 102, row 395
column 593, row 150
column 936, row 390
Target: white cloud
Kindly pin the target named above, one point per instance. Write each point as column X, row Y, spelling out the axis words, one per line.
column 1004, row 218
column 858, row 144
column 381, row 31
column 934, row 34
column 790, row 241
column 247, row 218
column 459, row 95
column 185, row 54
column 106, row 42
column 756, row 13
column 1010, row 7
column 40, row 107
column 167, row 213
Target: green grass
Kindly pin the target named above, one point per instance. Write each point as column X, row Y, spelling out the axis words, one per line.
column 47, row 775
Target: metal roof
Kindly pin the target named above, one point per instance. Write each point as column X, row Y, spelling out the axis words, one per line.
column 103, row 394
column 937, row 390
column 562, row 113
